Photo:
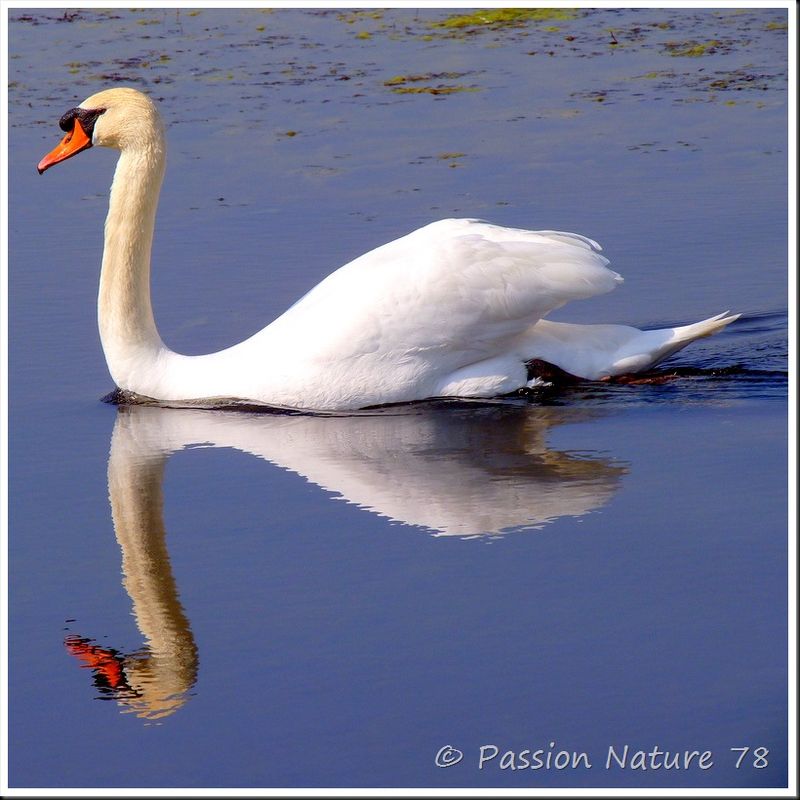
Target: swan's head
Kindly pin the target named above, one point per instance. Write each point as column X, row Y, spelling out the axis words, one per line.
column 120, row 118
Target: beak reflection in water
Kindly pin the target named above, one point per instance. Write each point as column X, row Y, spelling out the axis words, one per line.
column 472, row 471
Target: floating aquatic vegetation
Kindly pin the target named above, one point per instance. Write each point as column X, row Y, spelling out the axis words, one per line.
column 398, row 80
column 398, row 84
column 433, row 89
column 585, row 34
column 598, row 96
column 709, row 83
column 117, row 77
column 662, row 147
column 453, row 158
column 505, row 17
column 692, row 49
column 351, row 17
column 732, row 81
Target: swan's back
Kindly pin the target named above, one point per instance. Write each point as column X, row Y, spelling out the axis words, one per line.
column 451, row 291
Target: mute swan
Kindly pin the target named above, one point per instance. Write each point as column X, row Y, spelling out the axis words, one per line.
column 454, row 309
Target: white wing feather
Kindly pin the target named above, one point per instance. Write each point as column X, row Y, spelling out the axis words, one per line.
column 458, row 286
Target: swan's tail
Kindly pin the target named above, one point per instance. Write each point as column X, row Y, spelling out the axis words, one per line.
column 652, row 347
column 707, row 327
column 601, row 351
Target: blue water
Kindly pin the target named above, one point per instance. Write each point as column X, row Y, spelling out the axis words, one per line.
column 223, row 599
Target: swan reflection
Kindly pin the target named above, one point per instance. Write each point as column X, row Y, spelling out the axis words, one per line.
column 462, row 471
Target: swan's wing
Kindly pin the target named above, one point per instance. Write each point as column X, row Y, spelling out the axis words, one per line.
column 462, row 287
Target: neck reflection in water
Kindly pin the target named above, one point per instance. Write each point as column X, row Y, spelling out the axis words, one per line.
column 475, row 470
column 154, row 681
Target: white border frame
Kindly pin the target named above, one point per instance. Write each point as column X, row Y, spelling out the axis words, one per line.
column 791, row 7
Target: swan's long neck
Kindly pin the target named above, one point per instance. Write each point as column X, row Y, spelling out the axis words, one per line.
column 127, row 328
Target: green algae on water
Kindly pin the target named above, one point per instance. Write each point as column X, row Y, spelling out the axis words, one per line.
column 398, row 80
column 505, row 17
column 399, row 83
column 692, row 49
column 433, row 89
column 352, row 16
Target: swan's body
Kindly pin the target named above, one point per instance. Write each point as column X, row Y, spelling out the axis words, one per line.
column 453, row 309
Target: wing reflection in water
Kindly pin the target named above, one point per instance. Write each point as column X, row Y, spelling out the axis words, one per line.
column 459, row 471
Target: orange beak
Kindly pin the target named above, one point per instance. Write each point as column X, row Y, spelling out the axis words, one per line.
column 72, row 144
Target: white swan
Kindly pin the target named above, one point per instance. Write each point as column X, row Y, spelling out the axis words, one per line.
column 452, row 309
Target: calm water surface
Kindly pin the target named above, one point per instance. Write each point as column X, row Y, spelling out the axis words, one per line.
column 191, row 602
